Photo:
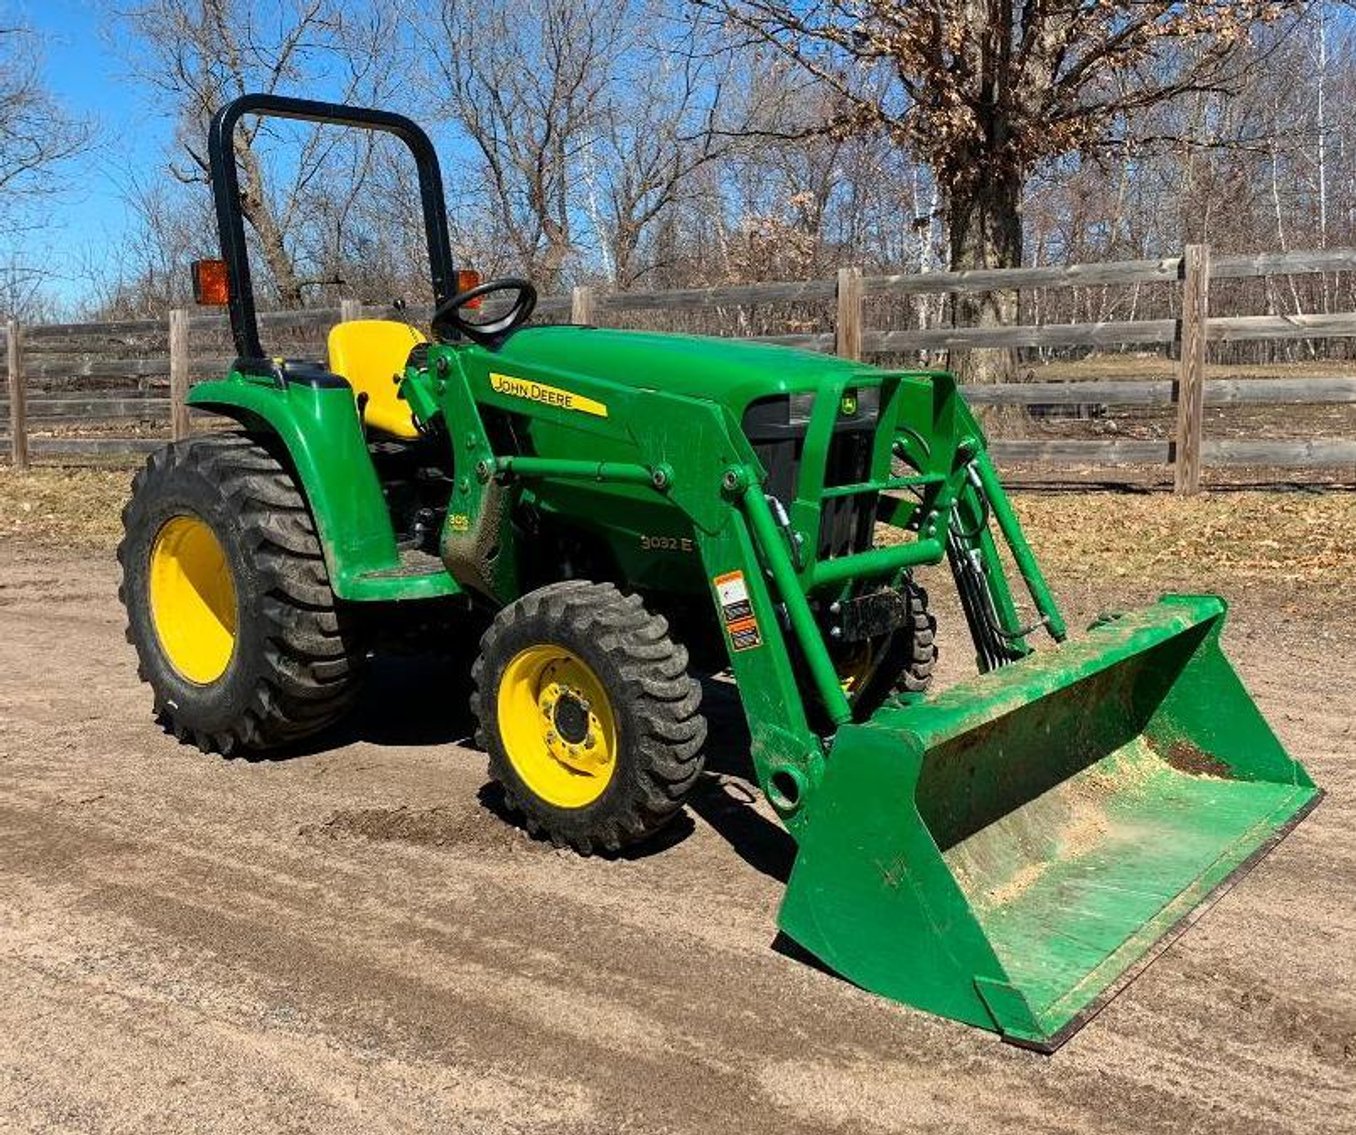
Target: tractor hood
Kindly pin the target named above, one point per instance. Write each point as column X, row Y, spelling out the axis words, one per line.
column 732, row 371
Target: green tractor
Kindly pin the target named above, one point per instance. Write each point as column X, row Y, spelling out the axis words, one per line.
column 622, row 513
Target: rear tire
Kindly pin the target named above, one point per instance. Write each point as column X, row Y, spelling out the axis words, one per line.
column 589, row 716
column 228, row 601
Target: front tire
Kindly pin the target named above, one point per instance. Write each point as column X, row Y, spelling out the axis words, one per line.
column 588, row 714
column 228, row 601
column 905, row 661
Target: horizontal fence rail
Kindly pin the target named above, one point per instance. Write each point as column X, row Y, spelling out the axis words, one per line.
column 158, row 355
column 1318, row 453
column 1159, row 392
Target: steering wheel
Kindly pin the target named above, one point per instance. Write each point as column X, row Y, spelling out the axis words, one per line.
column 492, row 332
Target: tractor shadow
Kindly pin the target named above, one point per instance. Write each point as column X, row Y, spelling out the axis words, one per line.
column 729, row 805
column 491, row 797
column 421, row 700
column 406, row 700
column 414, row 700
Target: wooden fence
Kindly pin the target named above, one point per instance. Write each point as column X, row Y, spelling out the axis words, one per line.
column 160, row 356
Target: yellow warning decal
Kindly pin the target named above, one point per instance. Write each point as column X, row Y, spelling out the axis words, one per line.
column 737, row 610
column 547, row 395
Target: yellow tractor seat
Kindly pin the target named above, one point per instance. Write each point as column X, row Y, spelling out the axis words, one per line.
column 371, row 354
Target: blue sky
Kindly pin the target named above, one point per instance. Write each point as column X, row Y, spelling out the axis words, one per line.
column 85, row 73
column 87, row 69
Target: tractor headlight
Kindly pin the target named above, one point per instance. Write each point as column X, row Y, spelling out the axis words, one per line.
column 858, row 404
column 799, row 408
column 788, row 415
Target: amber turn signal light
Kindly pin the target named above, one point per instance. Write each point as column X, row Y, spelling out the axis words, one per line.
column 211, row 286
column 468, row 278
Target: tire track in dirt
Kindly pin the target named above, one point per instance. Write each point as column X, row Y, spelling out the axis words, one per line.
column 348, row 939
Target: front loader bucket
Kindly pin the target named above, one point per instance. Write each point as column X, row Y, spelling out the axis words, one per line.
column 1003, row 854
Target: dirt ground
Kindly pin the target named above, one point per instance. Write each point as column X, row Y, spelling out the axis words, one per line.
column 351, row 939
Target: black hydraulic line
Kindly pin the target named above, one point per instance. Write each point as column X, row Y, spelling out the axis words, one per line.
column 992, row 641
column 1020, row 632
column 991, row 653
column 981, row 522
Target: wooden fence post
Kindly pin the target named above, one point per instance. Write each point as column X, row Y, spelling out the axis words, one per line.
column 18, row 396
column 180, row 427
column 350, row 310
column 848, row 332
column 1191, row 369
column 581, row 305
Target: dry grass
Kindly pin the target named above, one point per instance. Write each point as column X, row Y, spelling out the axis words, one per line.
column 55, row 506
column 1306, row 538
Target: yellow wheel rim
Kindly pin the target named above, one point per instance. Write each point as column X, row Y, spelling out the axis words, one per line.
column 557, row 725
column 854, row 671
column 192, row 599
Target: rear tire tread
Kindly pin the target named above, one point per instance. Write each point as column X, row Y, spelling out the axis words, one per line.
column 308, row 672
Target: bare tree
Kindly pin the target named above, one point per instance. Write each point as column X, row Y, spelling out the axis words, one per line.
column 36, row 135
column 985, row 90
column 25, row 292
column 202, row 53
column 526, row 84
column 648, row 145
column 147, row 277
column 677, row 101
column 38, row 141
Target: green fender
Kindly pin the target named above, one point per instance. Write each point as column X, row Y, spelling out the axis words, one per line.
column 320, row 429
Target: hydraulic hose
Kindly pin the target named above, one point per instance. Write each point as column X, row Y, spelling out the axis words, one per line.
column 973, row 588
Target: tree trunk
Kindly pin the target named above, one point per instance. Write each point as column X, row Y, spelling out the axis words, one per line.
column 272, row 243
column 548, row 265
column 984, row 216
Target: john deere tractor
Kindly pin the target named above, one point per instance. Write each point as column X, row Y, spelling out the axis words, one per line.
column 622, row 513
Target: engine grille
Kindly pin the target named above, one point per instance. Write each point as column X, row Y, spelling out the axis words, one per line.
column 846, row 522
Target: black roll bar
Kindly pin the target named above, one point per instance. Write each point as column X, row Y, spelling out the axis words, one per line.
column 230, row 219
